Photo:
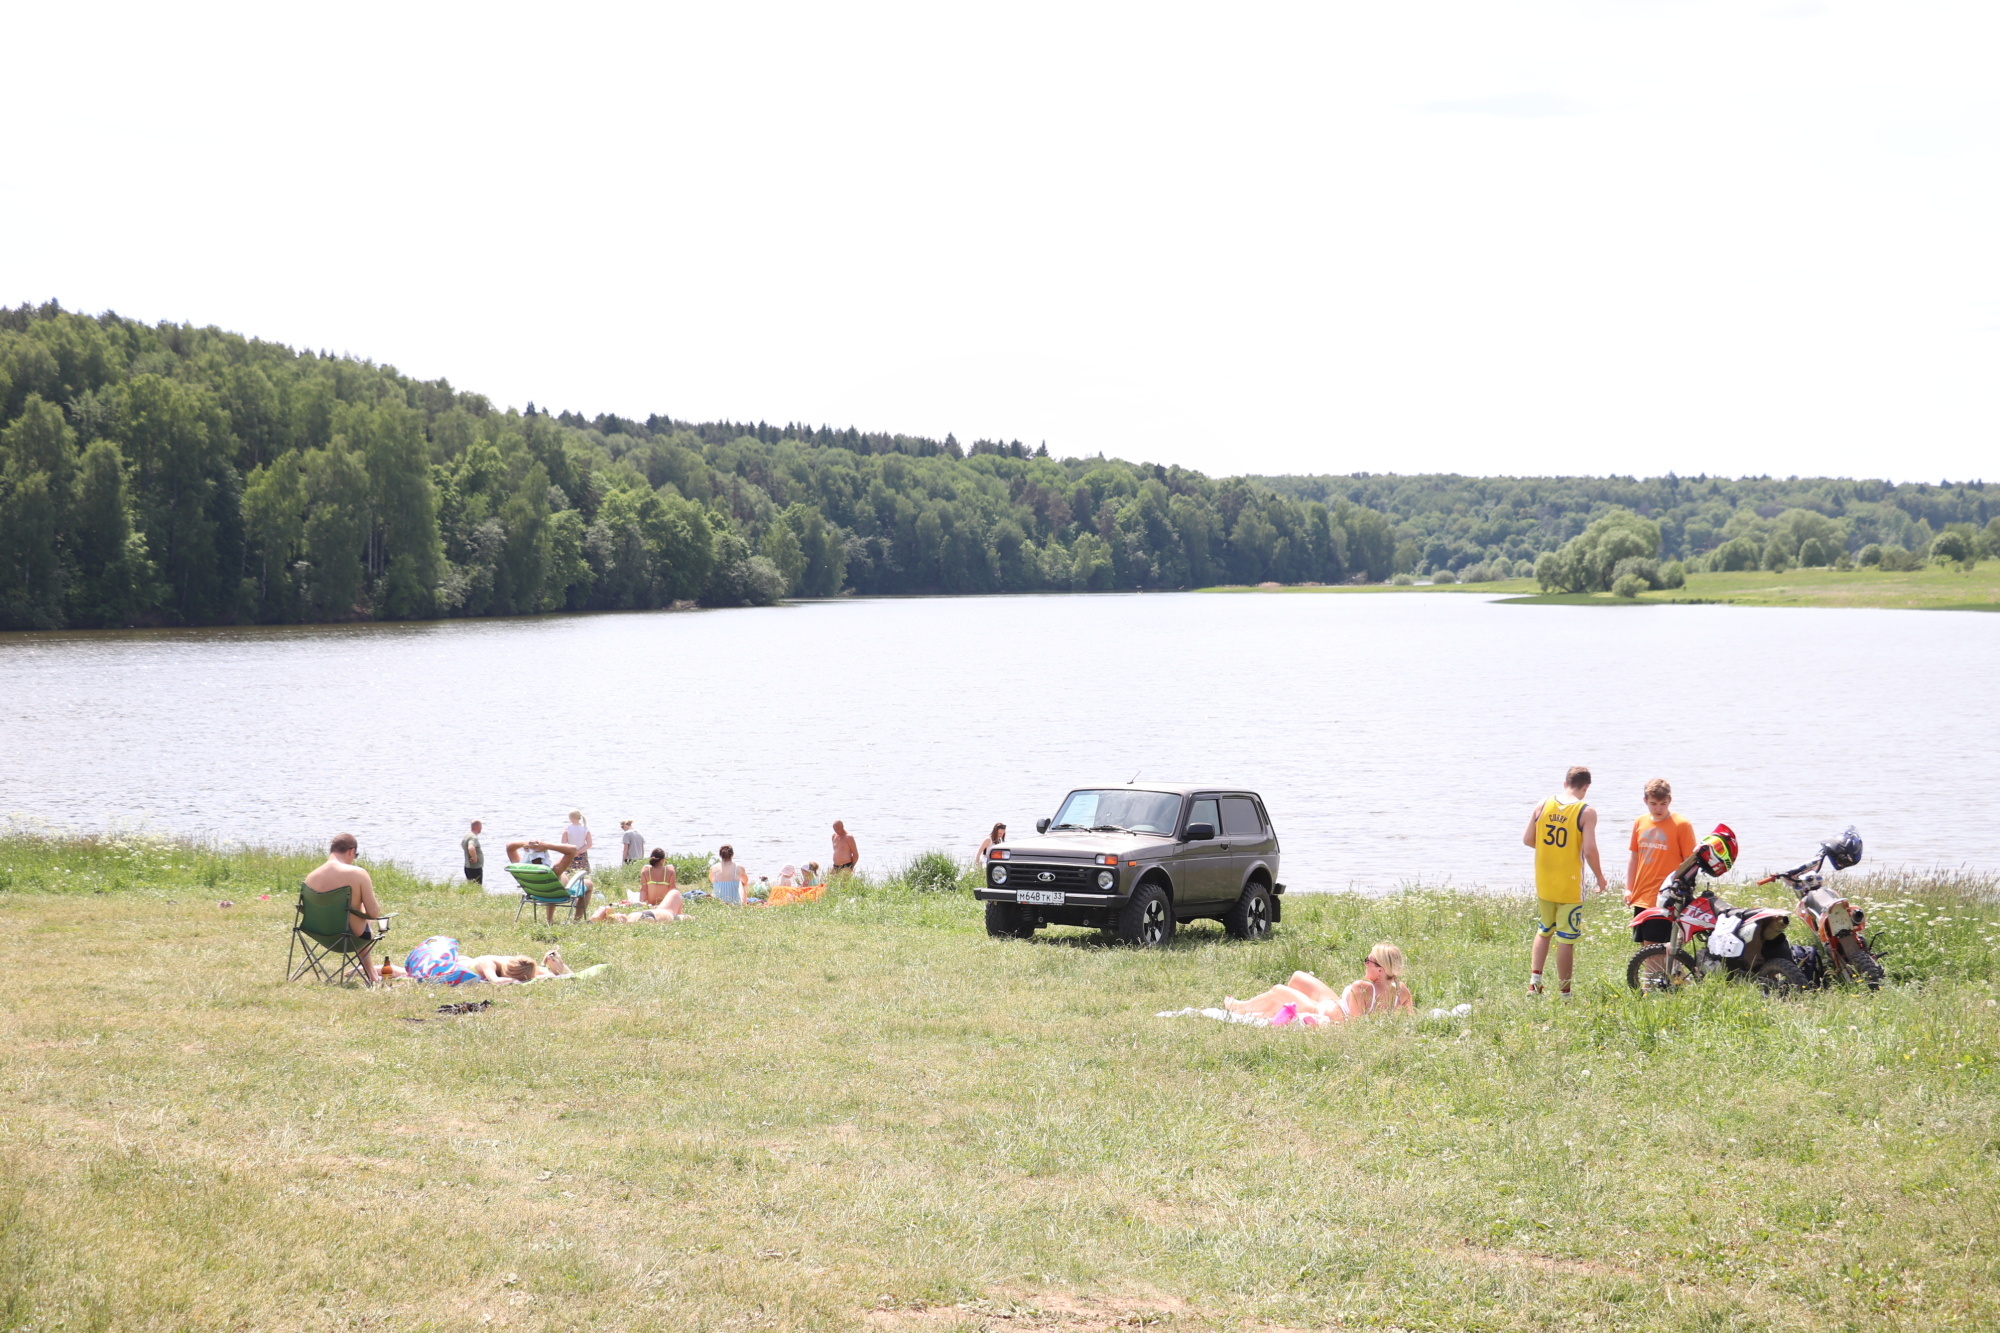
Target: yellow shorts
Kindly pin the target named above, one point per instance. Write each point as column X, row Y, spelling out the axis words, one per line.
column 1562, row 920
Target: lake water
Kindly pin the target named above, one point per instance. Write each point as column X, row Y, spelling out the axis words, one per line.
column 1395, row 738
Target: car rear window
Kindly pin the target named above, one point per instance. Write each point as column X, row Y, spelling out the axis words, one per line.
column 1239, row 818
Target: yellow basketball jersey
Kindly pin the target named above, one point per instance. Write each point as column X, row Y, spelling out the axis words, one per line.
column 1559, row 851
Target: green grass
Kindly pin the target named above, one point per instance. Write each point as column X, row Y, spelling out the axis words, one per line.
column 863, row 1113
column 1933, row 588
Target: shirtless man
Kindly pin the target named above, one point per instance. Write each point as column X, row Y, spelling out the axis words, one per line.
column 566, row 857
column 340, row 872
column 845, row 853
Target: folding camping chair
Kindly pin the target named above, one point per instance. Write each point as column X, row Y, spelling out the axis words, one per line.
column 543, row 887
column 323, row 932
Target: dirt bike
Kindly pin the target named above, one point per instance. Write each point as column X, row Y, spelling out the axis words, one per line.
column 1689, row 917
column 1743, row 943
column 1840, row 950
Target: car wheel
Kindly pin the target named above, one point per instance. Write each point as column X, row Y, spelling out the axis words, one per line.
column 1004, row 922
column 1148, row 919
column 1250, row 919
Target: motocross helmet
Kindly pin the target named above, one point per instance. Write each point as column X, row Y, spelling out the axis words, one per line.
column 1717, row 852
column 1844, row 850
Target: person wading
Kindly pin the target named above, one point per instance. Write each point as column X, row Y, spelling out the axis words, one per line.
column 1563, row 833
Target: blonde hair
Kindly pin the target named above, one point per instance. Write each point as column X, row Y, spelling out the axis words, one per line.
column 1390, row 959
column 576, row 816
column 522, row 968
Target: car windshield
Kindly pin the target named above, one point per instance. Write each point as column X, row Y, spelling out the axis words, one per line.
column 1119, row 809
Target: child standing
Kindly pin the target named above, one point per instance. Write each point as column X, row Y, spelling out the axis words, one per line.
column 1661, row 841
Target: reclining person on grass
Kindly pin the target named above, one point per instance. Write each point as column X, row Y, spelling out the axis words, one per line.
column 1380, row 988
column 566, row 856
column 438, row 959
column 659, row 886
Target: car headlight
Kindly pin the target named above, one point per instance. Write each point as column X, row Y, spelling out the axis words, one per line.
column 1105, row 879
column 997, row 874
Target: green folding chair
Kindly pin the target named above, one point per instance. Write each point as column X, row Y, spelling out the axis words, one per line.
column 543, row 887
column 323, row 938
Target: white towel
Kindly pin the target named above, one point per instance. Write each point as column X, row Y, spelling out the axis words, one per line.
column 1219, row 1015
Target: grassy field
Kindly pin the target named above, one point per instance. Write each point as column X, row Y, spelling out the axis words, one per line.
column 863, row 1114
column 1933, row 588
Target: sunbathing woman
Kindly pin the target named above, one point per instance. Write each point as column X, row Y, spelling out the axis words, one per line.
column 662, row 896
column 438, row 959
column 1381, row 987
column 727, row 880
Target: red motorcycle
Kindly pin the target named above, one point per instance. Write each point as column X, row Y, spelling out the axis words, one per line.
column 1742, row 943
column 1683, row 915
column 1840, row 950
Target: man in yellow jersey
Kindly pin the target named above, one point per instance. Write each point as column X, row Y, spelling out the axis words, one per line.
column 1563, row 832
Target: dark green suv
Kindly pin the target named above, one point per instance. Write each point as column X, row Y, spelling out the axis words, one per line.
column 1137, row 861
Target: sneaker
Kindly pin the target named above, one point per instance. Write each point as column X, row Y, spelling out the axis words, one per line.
column 1534, row 988
column 1564, row 992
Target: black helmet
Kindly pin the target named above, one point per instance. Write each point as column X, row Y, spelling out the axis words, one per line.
column 1844, row 850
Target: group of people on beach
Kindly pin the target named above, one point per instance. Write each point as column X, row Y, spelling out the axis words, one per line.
column 657, row 897
column 1561, row 831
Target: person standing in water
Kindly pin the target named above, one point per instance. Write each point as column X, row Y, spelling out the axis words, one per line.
column 845, row 852
column 475, row 858
column 1563, row 833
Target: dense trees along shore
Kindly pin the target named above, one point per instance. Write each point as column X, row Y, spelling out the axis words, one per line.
column 167, row 474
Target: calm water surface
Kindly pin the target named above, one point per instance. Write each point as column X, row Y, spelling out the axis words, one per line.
column 1395, row 738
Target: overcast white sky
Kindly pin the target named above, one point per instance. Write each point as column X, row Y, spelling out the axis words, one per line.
column 1540, row 236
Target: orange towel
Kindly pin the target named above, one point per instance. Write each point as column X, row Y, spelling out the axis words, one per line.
column 802, row 893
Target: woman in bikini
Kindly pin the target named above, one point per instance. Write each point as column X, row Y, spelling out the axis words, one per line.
column 659, row 885
column 438, row 959
column 1380, row 988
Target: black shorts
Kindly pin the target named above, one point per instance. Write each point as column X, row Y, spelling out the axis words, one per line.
column 1651, row 932
column 476, row 874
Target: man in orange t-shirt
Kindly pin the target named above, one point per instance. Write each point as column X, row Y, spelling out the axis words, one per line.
column 1661, row 840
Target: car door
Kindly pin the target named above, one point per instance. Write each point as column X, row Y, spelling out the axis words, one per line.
column 1200, row 868
column 1243, row 840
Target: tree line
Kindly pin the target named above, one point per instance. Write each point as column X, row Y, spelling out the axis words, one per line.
column 175, row 475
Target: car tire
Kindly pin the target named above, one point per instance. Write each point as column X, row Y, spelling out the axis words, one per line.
column 1147, row 919
column 1003, row 922
column 1250, row 919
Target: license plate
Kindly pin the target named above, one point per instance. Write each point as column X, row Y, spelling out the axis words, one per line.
column 1040, row 897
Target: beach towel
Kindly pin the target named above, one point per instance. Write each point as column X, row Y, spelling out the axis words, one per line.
column 437, row 959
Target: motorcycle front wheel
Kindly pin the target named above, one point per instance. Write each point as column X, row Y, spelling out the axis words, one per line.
column 1865, row 967
column 1658, row 968
column 1779, row 976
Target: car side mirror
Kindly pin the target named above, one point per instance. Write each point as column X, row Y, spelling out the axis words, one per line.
column 1041, row 826
column 1200, row 832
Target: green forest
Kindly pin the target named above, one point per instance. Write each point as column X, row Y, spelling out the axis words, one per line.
column 173, row 475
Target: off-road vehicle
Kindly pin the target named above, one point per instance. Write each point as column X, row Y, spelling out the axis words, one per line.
column 1137, row 861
